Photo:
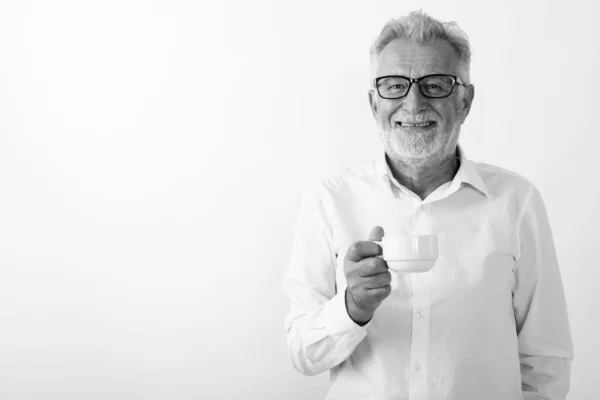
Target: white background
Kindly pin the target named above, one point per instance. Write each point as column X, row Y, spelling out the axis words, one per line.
column 153, row 155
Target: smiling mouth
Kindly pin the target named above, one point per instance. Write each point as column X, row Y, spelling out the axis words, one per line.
column 425, row 124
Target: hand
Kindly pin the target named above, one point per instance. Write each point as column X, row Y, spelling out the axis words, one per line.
column 368, row 278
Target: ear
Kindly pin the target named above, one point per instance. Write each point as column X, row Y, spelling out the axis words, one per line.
column 373, row 103
column 467, row 100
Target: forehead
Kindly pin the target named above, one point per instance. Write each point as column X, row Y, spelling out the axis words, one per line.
column 414, row 60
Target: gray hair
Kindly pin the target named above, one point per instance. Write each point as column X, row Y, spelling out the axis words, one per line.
column 421, row 28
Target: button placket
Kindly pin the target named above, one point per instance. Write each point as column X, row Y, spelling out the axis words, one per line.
column 420, row 336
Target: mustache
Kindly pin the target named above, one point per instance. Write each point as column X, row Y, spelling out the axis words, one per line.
column 415, row 119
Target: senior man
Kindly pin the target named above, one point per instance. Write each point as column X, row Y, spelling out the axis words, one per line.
column 489, row 320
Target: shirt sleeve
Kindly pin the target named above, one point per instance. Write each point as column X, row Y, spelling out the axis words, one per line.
column 320, row 333
column 544, row 336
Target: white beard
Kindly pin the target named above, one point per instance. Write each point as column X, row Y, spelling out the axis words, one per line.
column 419, row 149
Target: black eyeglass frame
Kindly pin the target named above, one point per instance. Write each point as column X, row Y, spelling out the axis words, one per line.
column 417, row 80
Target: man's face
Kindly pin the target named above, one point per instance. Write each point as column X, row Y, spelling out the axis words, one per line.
column 402, row 140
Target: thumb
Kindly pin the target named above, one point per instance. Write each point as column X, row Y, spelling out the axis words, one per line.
column 376, row 233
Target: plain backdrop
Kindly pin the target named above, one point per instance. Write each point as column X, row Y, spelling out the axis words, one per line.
column 153, row 155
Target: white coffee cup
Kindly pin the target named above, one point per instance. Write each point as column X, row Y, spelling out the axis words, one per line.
column 409, row 253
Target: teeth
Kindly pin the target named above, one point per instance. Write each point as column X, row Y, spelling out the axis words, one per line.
column 420, row 125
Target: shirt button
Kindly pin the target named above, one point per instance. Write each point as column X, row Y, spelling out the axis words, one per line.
column 418, row 367
column 420, row 314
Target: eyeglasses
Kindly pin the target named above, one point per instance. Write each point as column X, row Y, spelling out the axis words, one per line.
column 433, row 86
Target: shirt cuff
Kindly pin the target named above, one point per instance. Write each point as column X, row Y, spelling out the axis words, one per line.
column 334, row 317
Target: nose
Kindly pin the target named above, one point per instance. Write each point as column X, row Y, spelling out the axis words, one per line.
column 414, row 102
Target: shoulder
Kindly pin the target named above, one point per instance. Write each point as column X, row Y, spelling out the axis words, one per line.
column 347, row 180
column 507, row 185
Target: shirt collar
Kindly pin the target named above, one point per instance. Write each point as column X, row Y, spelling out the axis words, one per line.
column 466, row 172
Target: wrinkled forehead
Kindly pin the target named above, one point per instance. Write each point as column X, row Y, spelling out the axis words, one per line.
column 414, row 60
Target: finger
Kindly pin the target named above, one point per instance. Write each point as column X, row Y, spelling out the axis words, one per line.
column 378, row 281
column 360, row 250
column 377, row 234
column 371, row 266
column 381, row 292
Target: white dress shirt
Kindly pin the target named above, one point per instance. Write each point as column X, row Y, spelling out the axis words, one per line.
column 487, row 322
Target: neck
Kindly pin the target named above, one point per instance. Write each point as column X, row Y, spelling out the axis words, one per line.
column 423, row 179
